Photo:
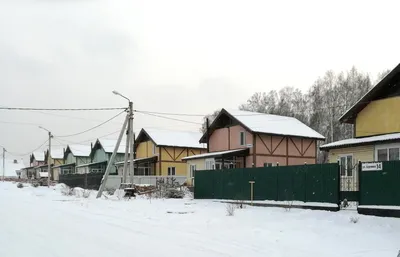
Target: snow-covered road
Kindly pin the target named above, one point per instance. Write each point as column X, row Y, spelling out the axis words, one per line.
column 40, row 222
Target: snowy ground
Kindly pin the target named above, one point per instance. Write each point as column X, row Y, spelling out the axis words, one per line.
column 42, row 222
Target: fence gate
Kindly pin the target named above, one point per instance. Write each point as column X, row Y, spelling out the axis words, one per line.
column 349, row 179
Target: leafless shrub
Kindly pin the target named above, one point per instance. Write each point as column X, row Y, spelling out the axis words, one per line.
column 67, row 191
column 354, row 219
column 86, row 193
column 288, row 205
column 230, row 209
column 35, row 184
column 110, row 191
column 20, row 185
column 119, row 193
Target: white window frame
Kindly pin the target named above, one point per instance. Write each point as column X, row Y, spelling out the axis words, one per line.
column 244, row 138
column 171, row 170
column 352, row 164
column 387, row 147
column 209, row 164
column 192, row 170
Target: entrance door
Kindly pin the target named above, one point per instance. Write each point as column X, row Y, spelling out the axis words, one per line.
column 348, row 178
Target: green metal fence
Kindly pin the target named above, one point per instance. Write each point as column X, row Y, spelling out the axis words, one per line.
column 381, row 187
column 308, row 183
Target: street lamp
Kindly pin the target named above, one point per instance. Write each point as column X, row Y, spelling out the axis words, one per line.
column 129, row 141
column 121, row 95
column 48, row 156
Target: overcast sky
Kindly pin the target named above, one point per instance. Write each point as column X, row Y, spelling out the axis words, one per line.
column 173, row 56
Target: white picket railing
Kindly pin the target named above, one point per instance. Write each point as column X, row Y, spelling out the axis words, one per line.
column 114, row 181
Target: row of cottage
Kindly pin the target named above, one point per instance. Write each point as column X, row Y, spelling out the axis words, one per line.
column 234, row 139
column 238, row 139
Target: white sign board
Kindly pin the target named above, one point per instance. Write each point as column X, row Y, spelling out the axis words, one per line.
column 371, row 166
column 249, row 145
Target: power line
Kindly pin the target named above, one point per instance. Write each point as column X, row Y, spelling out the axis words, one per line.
column 19, row 154
column 61, row 109
column 19, row 123
column 168, row 118
column 94, row 126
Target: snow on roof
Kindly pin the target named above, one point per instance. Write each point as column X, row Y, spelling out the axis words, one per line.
column 363, row 140
column 175, row 138
column 80, row 150
column 109, row 144
column 57, row 153
column 11, row 167
column 39, row 156
column 205, row 155
column 274, row 124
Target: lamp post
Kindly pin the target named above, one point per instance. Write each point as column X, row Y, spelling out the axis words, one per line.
column 48, row 157
column 129, row 141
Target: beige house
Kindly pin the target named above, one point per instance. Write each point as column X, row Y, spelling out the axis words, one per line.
column 239, row 139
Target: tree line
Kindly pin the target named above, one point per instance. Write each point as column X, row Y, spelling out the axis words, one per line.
column 320, row 107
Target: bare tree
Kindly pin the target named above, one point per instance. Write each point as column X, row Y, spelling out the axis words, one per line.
column 211, row 118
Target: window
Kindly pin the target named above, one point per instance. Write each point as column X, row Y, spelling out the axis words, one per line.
column 267, row 164
column 154, row 149
column 393, row 154
column 192, row 170
column 346, row 165
column 242, row 138
column 387, row 153
column 382, row 155
column 171, row 171
column 210, row 164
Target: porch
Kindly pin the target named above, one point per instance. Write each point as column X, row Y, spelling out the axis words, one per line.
column 219, row 160
column 142, row 166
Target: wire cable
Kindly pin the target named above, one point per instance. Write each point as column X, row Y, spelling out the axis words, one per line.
column 61, row 109
column 169, row 118
column 19, row 154
column 82, row 132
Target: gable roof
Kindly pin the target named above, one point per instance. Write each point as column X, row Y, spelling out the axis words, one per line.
column 361, row 141
column 39, row 156
column 55, row 153
column 383, row 89
column 266, row 124
column 79, row 150
column 109, row 145
column 171, row 138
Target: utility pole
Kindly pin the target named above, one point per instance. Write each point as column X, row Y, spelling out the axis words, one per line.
column 128, row 125
column 208, row 135
column 111, row 162
column 48, row 157
column 48, row 161
column 4, row 163
column 131, row 143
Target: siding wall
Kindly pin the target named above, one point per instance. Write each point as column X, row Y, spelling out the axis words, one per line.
column 228, row 138
column 379, row 117
column 360, row 153
column 172, row 157
column 200, row 165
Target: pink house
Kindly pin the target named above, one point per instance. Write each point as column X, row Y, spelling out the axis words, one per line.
column 248, row 139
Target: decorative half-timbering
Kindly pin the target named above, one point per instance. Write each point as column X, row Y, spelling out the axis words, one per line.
column 269, row 140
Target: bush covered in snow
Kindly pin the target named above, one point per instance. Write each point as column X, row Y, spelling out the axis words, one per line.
column 20, row 185
column 35, row 184
column 174, row 193
column 354, row 219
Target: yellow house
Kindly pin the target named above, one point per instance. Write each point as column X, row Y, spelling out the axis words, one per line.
column 56, row 159
column 160, row 152
column 376, row 122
